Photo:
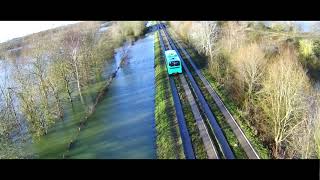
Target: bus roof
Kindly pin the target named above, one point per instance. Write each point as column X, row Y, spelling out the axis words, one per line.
column 171, row 55
column 170, row 52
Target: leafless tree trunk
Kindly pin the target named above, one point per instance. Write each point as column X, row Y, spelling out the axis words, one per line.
column 283, row 99
column 75, row 63
column 203, row 36
column 57, row 98
column 71, row 43
column 302, row 143
column 249, row 64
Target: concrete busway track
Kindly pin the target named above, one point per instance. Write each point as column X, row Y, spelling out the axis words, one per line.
column 243, row 140
column 186, row 140
column 215, row 126
column 203, row 131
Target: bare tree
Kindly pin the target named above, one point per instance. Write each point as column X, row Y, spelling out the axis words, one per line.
column 61, row 74
column 8, row 109
column 55, row 91
column 233, row 35
column 203, row 36
column 249, row 64
column 302, row 143
column 33, row 89
column 72, row 43
column 27, row 92
column 282, row 98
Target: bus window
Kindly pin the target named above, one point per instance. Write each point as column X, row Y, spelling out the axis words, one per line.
column 174, row 63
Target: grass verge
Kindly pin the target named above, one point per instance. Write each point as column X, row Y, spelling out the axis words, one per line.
column 168, row 141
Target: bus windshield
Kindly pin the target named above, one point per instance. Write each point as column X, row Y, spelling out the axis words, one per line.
column 174, row 63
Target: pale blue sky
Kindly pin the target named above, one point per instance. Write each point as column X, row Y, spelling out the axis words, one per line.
column 13, row 29
column 304, row 24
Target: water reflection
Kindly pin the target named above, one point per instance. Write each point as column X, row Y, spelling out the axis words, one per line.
column 123, row 124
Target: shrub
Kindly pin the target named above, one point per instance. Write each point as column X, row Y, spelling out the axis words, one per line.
column 306, row 48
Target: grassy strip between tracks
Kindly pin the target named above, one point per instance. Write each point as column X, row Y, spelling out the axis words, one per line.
column 230, row 136
column 196, row 140
column 169, row 144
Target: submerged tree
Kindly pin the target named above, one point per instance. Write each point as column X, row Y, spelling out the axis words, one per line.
column 71, row 45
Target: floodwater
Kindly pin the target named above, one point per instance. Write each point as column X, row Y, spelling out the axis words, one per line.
column 123, row 124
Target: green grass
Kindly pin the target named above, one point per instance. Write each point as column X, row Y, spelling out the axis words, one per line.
column 168, row 141
column 261, row 149
column 196, row 140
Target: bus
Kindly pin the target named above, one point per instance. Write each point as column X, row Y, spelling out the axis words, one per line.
column 173, row 62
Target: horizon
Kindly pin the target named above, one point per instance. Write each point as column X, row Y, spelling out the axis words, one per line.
column 15, row 29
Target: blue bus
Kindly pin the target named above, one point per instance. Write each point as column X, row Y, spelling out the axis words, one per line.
column 173, row 62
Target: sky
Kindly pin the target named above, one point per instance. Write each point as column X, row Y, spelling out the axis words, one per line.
column 306, row 25
column 14, row 29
